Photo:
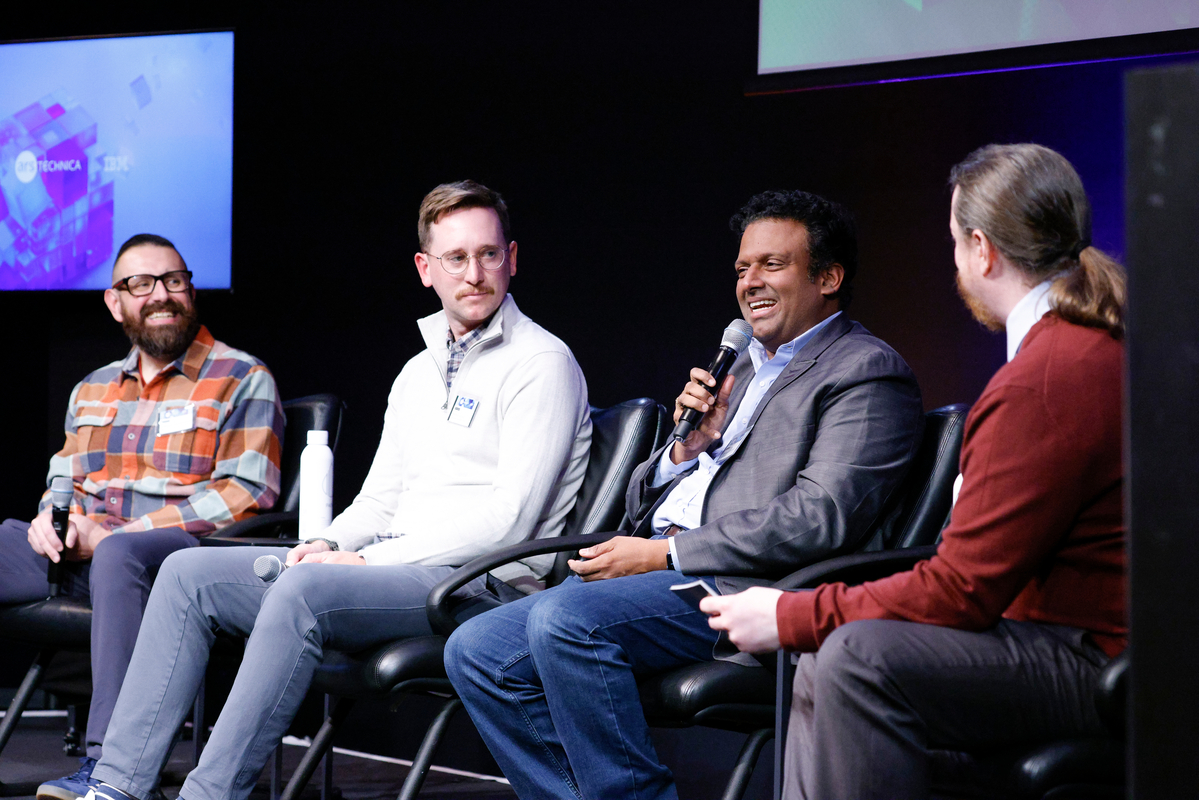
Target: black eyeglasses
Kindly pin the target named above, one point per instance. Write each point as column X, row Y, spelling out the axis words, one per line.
column 142, row 285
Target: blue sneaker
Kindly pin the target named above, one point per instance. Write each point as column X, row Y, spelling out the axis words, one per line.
column 72, row 786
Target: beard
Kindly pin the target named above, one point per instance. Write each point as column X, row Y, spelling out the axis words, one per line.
column 977, row 309
column 163, row 342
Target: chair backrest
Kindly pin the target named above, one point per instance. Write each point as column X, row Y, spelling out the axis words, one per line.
column 924, row 500
column 317, row 412
column 622, row 437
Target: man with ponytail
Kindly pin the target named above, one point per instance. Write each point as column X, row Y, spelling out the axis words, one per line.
column 1001, row 636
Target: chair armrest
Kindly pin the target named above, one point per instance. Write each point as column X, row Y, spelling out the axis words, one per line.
column 437, row 604
column 1111, row 695
column 281, row 521
column 248, row 541
column 857, row 567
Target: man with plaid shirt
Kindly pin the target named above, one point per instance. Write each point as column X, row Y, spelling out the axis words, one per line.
column 180, row 438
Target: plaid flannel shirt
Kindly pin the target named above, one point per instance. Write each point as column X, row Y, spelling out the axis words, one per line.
column 224, row 468
column 457, row 351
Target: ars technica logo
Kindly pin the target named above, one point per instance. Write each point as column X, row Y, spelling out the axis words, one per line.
column 27, row 166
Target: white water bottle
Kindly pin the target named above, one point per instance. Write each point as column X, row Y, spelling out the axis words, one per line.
column 316, row 485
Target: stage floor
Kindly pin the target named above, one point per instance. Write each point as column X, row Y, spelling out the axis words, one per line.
column 35, row 755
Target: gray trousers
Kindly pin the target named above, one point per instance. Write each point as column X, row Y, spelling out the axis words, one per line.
column 879, row 694
column 117, row 583
column 289, row 624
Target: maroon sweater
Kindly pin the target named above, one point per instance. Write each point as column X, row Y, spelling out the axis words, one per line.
column 1038, row 530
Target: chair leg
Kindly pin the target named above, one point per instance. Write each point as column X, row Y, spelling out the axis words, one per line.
column 428, row 746
column 199, row 731
column 321, row 743
column 276, row 771
column 33, row 679
column 72, row 740
column 744, row 768
column 784, row 677
column 327, row 770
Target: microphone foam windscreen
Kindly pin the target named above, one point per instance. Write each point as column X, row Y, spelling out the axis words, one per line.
column 737, row 335
column 62, row 489
column 267, row 568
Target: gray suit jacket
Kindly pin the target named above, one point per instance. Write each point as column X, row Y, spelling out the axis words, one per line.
column 827, row 448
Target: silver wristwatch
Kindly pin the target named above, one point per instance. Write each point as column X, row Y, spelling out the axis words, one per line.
column 332, row 544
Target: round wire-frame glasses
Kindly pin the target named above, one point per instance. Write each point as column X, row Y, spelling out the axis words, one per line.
column 455, row 262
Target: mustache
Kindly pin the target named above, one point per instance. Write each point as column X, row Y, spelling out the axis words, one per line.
column 170, row 305
column 461, row 293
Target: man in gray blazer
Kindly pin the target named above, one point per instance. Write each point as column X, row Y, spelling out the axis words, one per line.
column 799, row 451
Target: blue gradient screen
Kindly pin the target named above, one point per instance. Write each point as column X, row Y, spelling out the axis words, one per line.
column 104, row 138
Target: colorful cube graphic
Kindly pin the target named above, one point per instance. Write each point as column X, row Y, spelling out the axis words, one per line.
column 56, row 201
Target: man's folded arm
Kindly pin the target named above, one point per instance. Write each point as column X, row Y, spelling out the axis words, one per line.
column 375, row 504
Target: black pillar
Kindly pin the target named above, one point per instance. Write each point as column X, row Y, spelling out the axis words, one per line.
column 1162, row 444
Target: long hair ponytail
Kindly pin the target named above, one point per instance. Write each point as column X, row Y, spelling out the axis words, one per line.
column 1092, row 293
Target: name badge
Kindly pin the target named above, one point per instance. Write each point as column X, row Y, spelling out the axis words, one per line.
column 177, row 420
column 463, row 410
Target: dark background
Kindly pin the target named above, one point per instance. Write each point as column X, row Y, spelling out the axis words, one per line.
column 623, row 139
column 621, row 135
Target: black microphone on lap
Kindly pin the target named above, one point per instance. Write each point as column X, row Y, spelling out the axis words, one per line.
column 62, row 489
column 268, row 568
column 736, row 338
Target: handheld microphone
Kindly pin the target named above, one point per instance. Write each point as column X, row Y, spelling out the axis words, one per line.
column 62, row 490
column 267, row 568
column 736, row 338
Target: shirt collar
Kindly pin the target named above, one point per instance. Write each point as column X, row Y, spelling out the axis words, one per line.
column 189, row 363
column 434, row 329
column 1025, row 314
column 466, row 340
column 757, row 352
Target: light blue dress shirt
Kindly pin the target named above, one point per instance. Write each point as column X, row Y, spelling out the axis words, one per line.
column 684, row 505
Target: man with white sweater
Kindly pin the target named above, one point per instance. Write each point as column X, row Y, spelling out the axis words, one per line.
column 485, row 443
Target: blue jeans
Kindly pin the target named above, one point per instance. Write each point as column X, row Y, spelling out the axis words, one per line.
column 289, row 623
column 551, row 683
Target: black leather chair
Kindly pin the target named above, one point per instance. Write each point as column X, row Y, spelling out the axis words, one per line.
column 1085, row 768
column 622, row 437
column 64, row 624
column 730, row 696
